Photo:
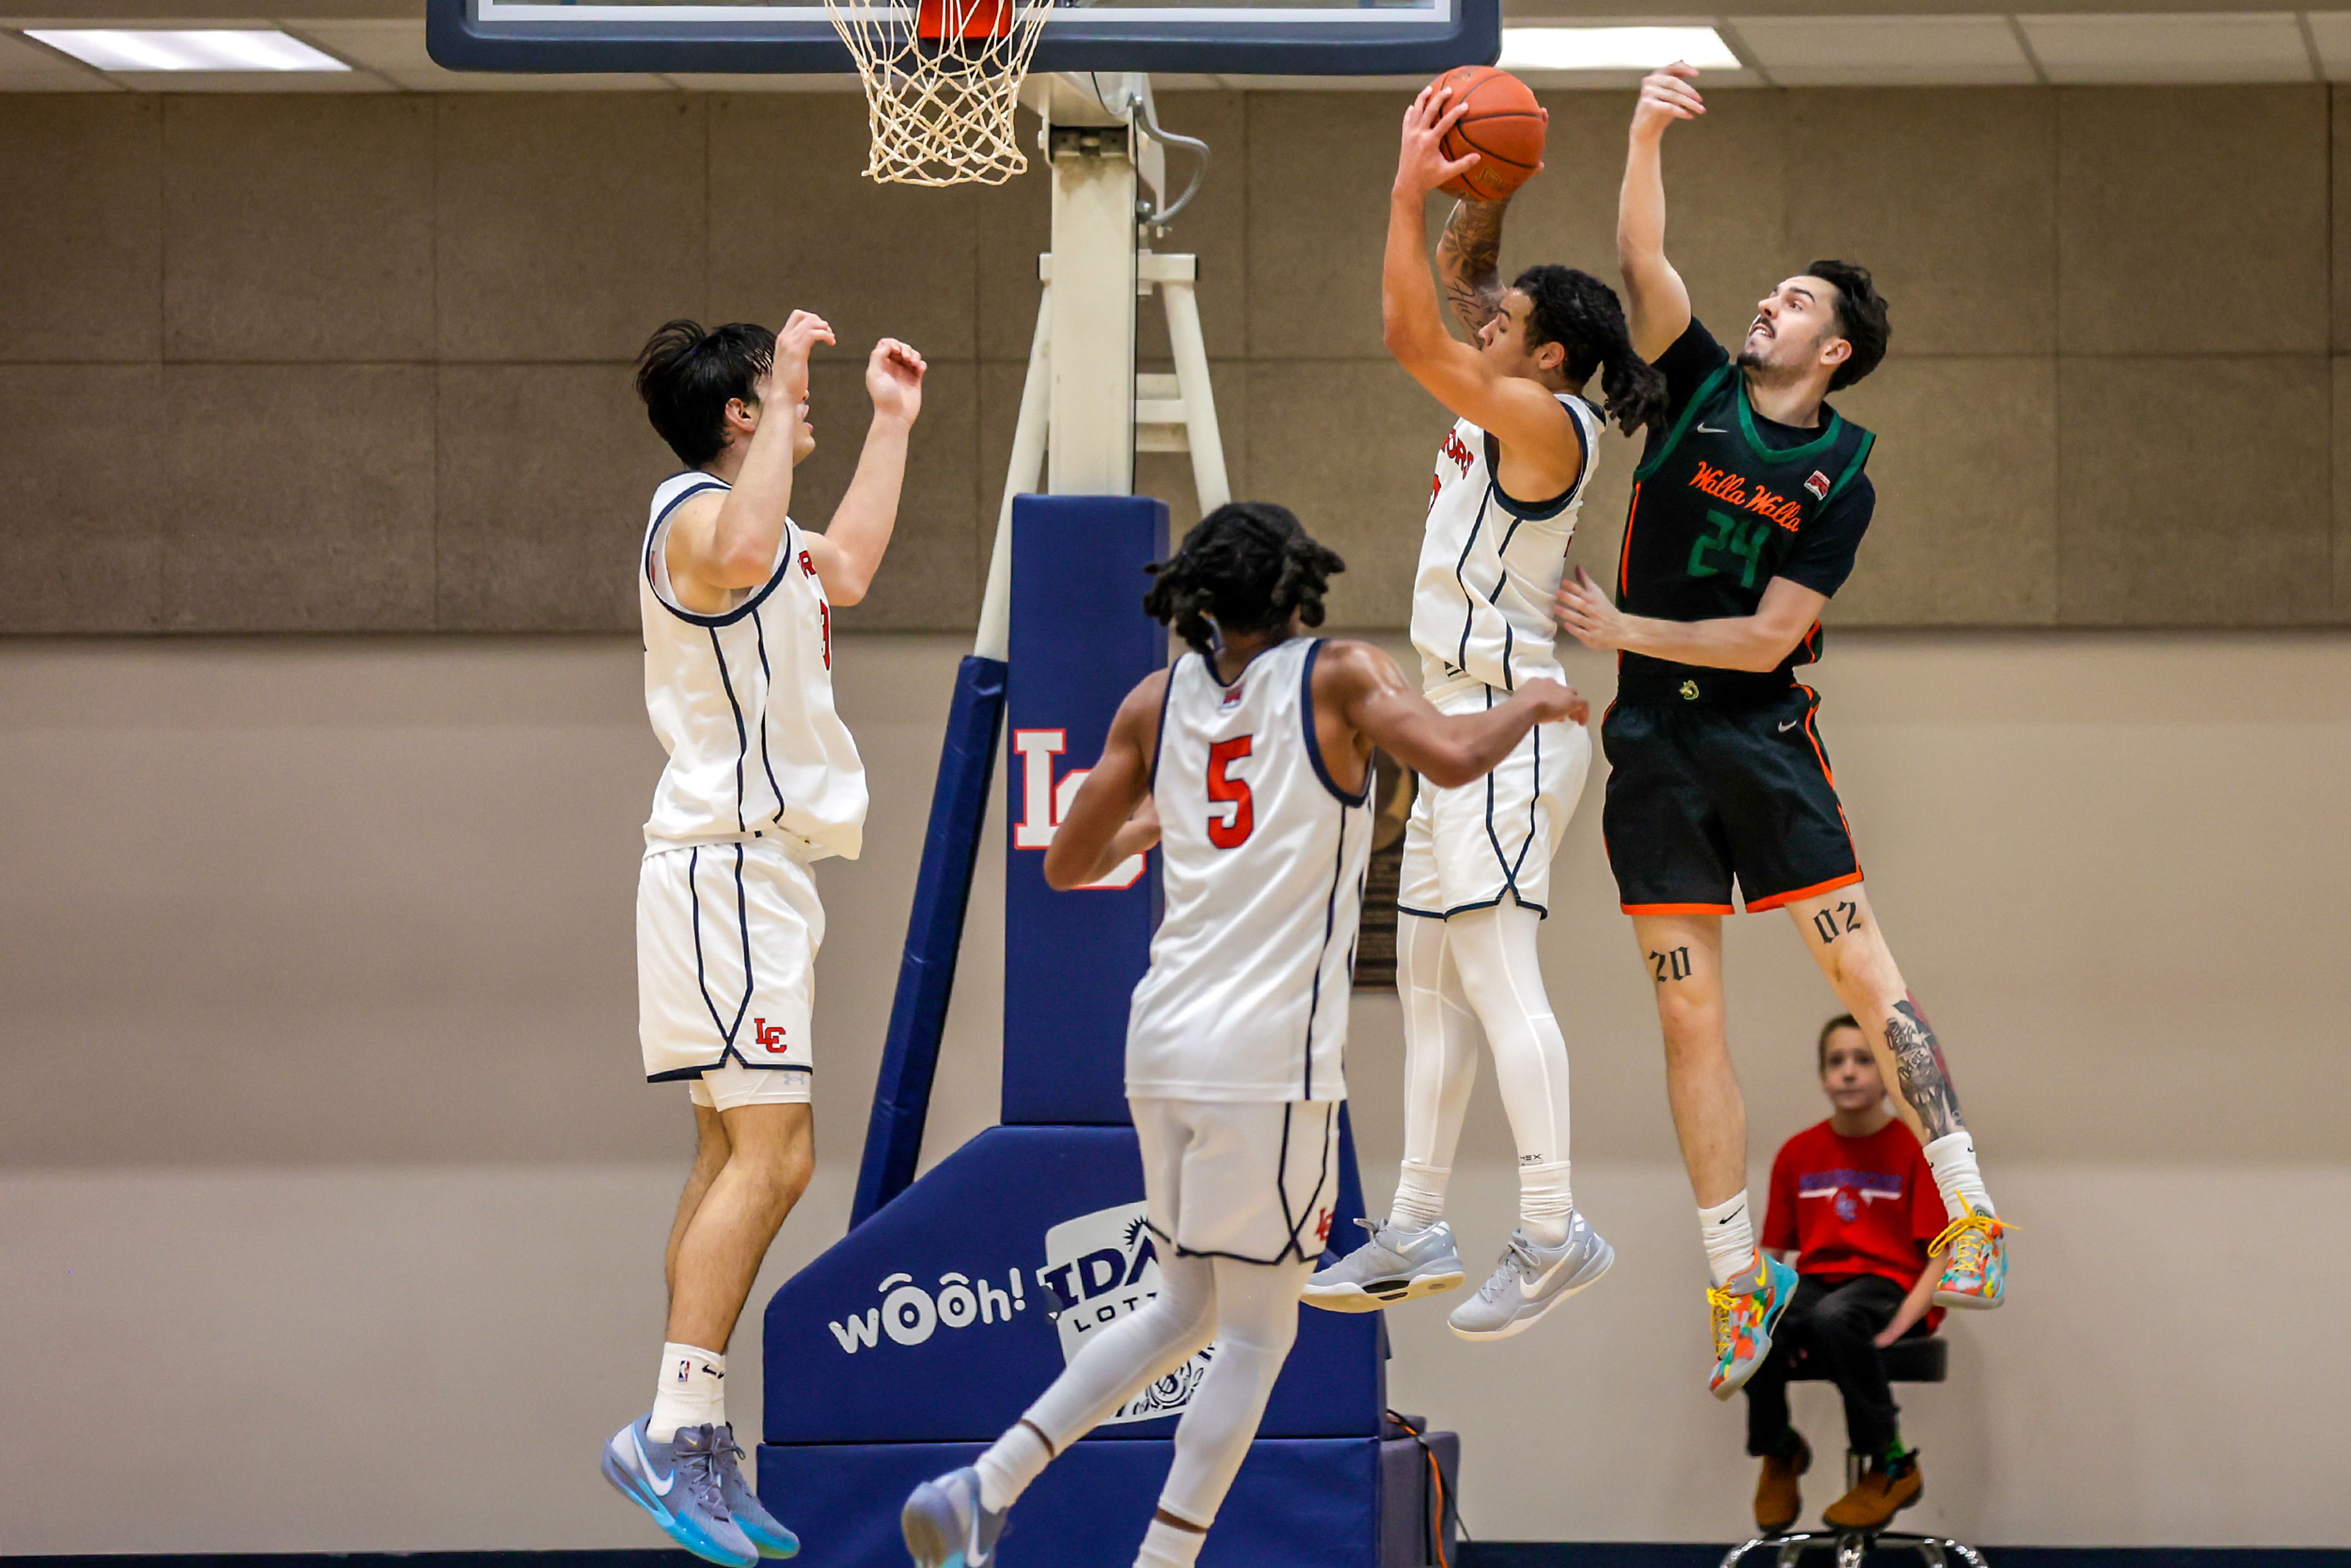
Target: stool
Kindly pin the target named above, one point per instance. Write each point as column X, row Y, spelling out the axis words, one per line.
column 1921, row 1359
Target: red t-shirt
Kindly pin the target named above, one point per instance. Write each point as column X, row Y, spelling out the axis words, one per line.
column 1855, row 1205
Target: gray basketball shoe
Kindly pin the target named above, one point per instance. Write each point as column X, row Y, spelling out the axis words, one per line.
column 1531, row 1280
column 1392, row 1266
column 679, row 1483
column 947, row 1526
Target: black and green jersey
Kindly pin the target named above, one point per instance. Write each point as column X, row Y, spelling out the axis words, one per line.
column 1724, row 501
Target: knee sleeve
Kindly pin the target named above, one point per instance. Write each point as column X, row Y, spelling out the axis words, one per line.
column 1441, row 1056
column 1501, row 976
column 1257, row 1321
column 1139, row 1349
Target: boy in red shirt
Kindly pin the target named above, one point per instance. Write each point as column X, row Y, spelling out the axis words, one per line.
column 1853, row 1200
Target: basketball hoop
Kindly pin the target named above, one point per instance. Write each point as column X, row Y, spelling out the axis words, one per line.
column 939, row 96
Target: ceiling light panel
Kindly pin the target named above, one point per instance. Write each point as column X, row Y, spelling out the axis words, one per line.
column 214, row 49
column 1885, row 51
column 1614, row 48
column 2250, row 47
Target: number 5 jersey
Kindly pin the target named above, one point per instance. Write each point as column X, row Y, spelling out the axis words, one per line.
column 1261, row 865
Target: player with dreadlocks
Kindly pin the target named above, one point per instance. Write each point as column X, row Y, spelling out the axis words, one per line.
column 1254, row 753
column 1510, row 479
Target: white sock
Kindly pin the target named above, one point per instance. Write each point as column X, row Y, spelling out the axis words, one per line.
column 1010, row 1463
column 1419, row 1196
column 691, row 1391
column 1166, row 1545
column 1728, row 1233
column 1952, row 1159
column 1544, row 1202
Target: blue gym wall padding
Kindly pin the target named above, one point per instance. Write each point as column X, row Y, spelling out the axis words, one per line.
column 918, row 1013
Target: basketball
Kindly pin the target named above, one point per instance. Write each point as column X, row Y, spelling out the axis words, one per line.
column 1504, row 126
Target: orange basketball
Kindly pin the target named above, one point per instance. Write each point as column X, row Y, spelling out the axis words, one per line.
column 1504, row 126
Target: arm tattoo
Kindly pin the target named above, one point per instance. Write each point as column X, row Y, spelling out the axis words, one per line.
column 1469, row 258
column 1925, row 1079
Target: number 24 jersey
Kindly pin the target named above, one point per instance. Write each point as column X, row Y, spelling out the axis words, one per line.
column 1261, row 865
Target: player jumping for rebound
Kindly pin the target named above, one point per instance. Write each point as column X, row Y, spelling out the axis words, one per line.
column 1746, row 514
column 1510, row 479
column 1255, row 750
column 737, row 604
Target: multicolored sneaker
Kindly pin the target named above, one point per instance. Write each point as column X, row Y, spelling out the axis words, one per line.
column 1745, row 1313
column 768, row 1537
column 677, row 1483
column 1977, row 1274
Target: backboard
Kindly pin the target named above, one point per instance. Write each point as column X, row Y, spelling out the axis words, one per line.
column 1253, row 38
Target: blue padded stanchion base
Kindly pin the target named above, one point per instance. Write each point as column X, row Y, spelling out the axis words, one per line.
column 938, row 1319
column 1297, row 1504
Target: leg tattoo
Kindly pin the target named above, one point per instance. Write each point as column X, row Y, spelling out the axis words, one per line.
column 1926, row 1080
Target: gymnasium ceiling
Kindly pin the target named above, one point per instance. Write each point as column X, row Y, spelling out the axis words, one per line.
column 1785, row 43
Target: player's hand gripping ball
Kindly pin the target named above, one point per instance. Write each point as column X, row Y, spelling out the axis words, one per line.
column 1501, row 123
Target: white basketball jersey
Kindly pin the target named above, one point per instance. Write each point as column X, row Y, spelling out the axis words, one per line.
column 1261, row 865
column 743, row 703
column 1491, row 566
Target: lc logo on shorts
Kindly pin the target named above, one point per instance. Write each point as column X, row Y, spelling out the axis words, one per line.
column 1099, row 1268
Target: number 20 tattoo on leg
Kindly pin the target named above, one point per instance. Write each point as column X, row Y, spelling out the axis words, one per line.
column 1672, row 966
column 1926, row 1079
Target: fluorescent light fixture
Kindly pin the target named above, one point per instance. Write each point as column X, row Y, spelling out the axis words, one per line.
column 199, row 49
column 1614, row 48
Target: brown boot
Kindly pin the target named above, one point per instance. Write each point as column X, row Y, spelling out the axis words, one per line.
column 1777, row 1501
column 1884, row 1491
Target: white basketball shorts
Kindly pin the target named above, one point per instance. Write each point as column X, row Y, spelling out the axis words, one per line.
column 727, row 941
column 1474, row 846
column 1252, row 1179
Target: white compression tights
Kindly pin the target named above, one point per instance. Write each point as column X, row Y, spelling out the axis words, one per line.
column 1249, row 1310
column 1475, row 973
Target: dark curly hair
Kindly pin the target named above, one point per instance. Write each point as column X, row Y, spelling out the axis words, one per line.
column 688, row 377
column 1248, row 566
column 1861, row 318
column 1580, row 313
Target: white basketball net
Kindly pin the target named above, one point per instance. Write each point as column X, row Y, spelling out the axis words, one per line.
column 941, row 109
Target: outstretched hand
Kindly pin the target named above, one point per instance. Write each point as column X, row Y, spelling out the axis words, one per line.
column 894, row 379
column 1667, row 95
column 788, row 374
column 1421, row 164
column 1553, row 702
column 1585, row 608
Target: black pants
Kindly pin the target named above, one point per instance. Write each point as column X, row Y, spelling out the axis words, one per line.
column 1833, row 1323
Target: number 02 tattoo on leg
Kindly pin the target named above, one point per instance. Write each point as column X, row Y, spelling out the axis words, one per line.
column 1926, row 1080
column 1673, row 966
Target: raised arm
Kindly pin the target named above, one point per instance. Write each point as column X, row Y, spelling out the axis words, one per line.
column 1110, row 820
column 1757, row 642
column 719, row 543
column 1657, row 303
column 1362, row 687
column 1518, row 411
column 1470, row 260
column 849, row 551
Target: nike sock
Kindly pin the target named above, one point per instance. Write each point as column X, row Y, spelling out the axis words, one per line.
column 1167, row 1545
column 1729, row 1238
column 1013, row 1461
column 1419, row 1196
column 692, row 1392
column 1544, row 1202
column 1952, row 1159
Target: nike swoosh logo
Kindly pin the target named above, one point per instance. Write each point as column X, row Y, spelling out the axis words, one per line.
column 661, row 1485
column 1789, row 725
column 1706, row 429
column 1530, row 1288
